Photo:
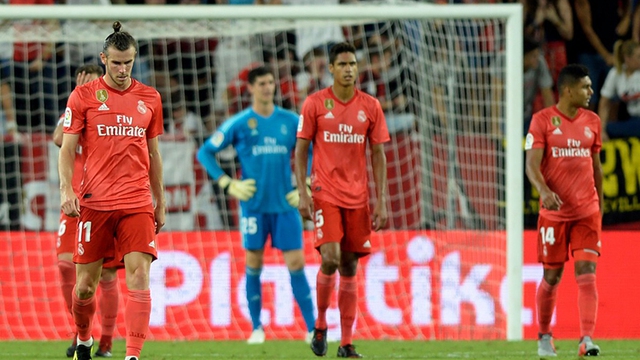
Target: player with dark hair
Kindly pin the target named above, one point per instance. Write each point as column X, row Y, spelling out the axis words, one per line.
column 563, row 163
column 67, row 240
column 119, row 120
column 264, row 138
column 340, row 120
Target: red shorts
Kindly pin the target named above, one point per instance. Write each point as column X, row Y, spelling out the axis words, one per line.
column 112, row 234
column 67, row 239
column 330, row 223
column 554, row 237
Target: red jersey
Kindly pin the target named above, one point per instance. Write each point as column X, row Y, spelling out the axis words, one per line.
column 339, row 132
column 567, row 165
column 115, row 126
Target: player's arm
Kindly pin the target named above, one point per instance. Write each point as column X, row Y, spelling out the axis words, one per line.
column 57, row 134
column 550, row 200
column 598, row 176
column 301, row 159
column 240, row 189
column 68, row 200
column 156, row 182
column 379, row 164
column 583, row 13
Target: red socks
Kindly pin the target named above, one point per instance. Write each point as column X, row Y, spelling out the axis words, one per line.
column 67, row 281
column 83, row 311
column 347, row 303
column 108, row 310
column 587, row 303
column 324, row 289
column 546, row 302
column 136, row 317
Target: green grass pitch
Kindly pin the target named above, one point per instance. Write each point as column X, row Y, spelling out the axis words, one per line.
column 290, row 350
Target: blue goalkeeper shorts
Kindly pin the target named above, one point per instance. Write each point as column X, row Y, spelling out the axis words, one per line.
column 285, row 230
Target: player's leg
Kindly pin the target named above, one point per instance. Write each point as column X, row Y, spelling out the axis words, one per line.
column 109, row 297
column 84, row 306
column 328, row 235
column 253, row 287
column 92, row 247
column 135, row 242
column 287, row 237
column 586, row 246
column 356, row 244
column 254, row 229
column 552, row 253
column 65, row 244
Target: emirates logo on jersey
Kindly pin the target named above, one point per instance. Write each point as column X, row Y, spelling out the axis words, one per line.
column 142, row 108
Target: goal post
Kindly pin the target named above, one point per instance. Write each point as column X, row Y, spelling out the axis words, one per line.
column 449, row 187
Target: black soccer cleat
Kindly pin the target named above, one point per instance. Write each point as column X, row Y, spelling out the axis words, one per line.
column 82, row 352
column 106, row 353
column 71, row 350
column 319, row 342
column 348, row 351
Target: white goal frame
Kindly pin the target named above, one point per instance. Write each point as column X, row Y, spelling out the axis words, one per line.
column 511, row 13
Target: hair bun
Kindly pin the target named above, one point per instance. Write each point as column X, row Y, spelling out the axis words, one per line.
column 117, row 26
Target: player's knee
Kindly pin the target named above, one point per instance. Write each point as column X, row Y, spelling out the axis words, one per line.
column 295, row 264
column 85, row 289
column 330, row 264
column 553, row 273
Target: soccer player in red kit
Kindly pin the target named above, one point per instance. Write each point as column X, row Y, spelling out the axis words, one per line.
column 563, row 163
column 119, row 120
column 340, row 120
column 67, row 241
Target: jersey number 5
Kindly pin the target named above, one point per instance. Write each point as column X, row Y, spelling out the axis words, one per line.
column 319, row 219
column 548, row 236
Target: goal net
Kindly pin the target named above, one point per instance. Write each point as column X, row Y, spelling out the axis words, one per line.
column 447, row 77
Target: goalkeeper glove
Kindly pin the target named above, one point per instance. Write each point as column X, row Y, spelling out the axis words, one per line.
column 293, row 196
column 239, row 189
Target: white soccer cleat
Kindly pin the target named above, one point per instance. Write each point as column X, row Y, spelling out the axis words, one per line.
column 257, row 337
column 588, row 348
column 545, row 346
column 308, row 337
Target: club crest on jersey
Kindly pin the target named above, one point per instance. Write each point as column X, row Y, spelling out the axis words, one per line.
column 102, row 95
column 328, row 103
column 142, row 108
column 283, row 129
column 555, row 121
column 361, row 116
column 253, row 125
column 587, row 132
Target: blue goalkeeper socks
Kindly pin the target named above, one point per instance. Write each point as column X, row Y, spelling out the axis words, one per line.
column 302, row 293
column 254, row 295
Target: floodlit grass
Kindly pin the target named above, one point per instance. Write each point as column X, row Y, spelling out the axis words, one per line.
column 289, row 350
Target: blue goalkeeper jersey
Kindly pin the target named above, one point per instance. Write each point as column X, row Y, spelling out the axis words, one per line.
column 264, row 146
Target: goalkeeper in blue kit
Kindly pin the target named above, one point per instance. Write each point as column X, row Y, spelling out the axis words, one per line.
column 264, row 137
